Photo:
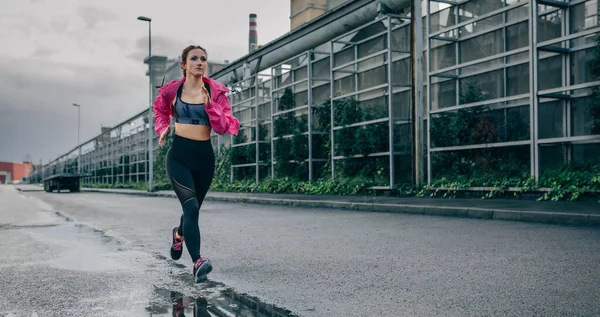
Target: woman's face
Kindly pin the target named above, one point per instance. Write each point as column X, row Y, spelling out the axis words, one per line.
column 196, row 63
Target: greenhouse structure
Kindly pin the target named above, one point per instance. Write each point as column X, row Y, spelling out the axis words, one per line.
column 478, row 89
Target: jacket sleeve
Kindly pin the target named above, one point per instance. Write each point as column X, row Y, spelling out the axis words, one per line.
column 161, row 115
column 221, row 118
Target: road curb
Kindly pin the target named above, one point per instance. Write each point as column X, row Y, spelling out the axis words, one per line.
column 133, row 193
column 575, row 219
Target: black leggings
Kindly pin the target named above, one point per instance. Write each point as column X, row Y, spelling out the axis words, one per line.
column 190, row 166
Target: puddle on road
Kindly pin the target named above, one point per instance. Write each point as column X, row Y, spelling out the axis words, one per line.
column 213, row 299
column 85, row 249
column 90, row 249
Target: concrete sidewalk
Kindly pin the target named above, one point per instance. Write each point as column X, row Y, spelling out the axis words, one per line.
column 564, row 213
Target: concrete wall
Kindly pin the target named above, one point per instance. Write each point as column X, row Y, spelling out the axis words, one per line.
column 173, row 70
column 159, row 65
column 303, row 11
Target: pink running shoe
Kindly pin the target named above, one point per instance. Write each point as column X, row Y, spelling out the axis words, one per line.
column 201, row 268
column 176, row 246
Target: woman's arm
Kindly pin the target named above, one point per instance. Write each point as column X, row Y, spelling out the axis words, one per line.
column 221, row 118
column 161, row 115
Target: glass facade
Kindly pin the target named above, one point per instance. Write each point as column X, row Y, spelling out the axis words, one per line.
column 509, row 86
column 250, row 100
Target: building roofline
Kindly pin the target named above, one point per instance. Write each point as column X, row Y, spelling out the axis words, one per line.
column 302, row 31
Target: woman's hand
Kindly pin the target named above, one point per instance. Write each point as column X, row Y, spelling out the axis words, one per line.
column 164, row 135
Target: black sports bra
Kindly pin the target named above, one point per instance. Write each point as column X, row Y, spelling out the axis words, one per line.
column 190, row 113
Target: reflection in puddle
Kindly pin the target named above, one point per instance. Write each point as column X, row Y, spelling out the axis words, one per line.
column 214, row 299
column 84, row 248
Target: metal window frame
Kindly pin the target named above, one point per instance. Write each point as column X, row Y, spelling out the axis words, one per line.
column 378, row 154
column 571, row 139
column 359, row 92
column 313, row 57
column 362, row 59
column 480, row 61
column 362, row 123
column 568, row 88
column 389, row 88
column 348, row 73
column 569, row 37
column 479, row 18
column 480, row 146
column 481, row 103
column 256, row 83
column 564, row 50
column 531, row 49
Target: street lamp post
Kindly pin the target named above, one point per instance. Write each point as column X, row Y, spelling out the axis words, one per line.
column 42, row 159
column 78, row 132
column 150, row 117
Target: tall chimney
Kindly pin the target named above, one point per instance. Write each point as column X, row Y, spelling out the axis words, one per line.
column 253, row 34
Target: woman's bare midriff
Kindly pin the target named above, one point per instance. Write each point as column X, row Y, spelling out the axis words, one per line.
column 193, row 131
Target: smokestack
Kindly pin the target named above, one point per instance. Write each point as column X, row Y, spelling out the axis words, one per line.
column 253, row 34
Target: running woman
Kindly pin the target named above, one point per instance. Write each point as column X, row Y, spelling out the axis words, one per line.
column 198, row 105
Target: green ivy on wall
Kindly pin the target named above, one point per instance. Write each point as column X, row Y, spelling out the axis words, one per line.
column 361, row 141
column 161, row 180
column 479, row 125
column 291, row 145
column 222, row 174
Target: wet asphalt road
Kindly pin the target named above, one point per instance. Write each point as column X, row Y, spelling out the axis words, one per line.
column 92, row 254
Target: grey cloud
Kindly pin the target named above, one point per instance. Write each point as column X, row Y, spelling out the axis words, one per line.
column 38, row 133
column 223, row 52
column 166, row 46
column 36, row 105
column 121, row 42
column 94, row 16
column 36, row 1
column 55, row 78
column 60, row 25
column 25, row 24
column 29, row 24
column 161, row 45
column 44, row 51
column 137, row 56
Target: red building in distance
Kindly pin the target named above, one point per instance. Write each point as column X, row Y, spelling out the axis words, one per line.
column 14, row 172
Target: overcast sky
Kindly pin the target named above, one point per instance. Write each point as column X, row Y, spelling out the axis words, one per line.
column 54, row 53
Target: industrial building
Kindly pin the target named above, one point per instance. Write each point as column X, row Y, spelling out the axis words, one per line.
column 14, row 172
column 492, row 85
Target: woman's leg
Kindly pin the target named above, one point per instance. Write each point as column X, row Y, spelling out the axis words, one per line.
column 180, row 228
column 202, row 180
column 203, row 176
column 177, row 232
column 183, row 184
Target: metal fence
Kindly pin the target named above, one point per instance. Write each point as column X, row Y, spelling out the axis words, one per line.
column 118, row 155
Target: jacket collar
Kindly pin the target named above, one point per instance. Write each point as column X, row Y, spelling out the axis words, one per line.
column 169, row 90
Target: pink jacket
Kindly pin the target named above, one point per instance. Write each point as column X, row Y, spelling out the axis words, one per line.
column 218, row 109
